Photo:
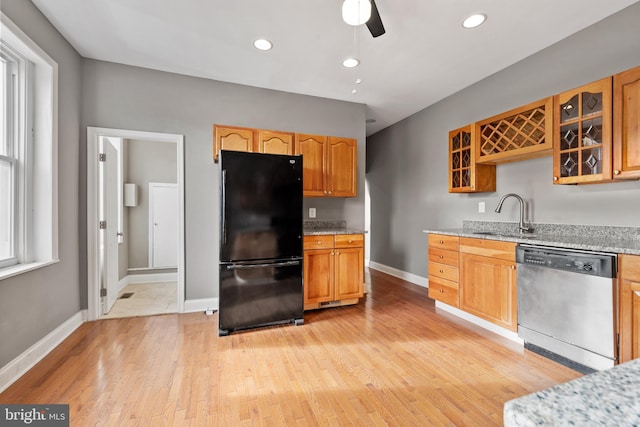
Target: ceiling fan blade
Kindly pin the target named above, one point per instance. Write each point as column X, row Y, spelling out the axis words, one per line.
column 375, row 22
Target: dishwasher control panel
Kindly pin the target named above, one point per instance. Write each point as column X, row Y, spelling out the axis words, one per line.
column 591, row 263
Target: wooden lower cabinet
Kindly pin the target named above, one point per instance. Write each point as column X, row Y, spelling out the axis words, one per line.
column 488, row 283
column 443, row 268
column 629, row 303
column 333, row 270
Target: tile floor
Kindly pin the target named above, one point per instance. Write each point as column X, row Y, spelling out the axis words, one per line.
column 147, row 299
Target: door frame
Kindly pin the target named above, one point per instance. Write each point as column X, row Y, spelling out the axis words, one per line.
column 93, row 241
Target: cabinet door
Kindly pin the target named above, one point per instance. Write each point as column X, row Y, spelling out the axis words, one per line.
column 341, row 167
column 629, row 280
column 318, row 275
column 582, row 134
column 232, row 139
column 626, row 124
column 488, row 289
column 465, row 176
column 271, row 142
column 349, row 264
column 313, row 151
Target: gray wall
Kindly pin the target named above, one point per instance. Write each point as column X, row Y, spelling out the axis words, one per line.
column 35, row 303
column 124, row 97
column 148, row 161
column 407, row 162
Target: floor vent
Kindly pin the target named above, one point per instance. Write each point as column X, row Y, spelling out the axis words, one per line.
column 126, row 295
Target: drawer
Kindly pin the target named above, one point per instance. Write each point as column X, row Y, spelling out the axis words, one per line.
column 349, row 240
column 318, row 242
column 630, row 267
column 443, row 290
column 441, row 241
column 443, row 257
column 488, row 248
column 443, row 271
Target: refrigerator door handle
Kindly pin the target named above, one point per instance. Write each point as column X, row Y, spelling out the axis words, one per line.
column 223, row 201
column 274, row 264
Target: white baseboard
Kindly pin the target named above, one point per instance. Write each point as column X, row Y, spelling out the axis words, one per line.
column 409, row 277
column 28, row 359
column 152, row 278
column 202, row 304
column 513, row 336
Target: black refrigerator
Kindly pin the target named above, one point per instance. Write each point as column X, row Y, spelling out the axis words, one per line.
column 260, row 241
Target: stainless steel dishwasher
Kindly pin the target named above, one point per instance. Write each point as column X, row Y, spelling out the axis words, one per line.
column 566, row 305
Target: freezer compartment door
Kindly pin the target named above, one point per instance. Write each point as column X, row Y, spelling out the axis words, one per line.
column 260, row 294
column 261, row 204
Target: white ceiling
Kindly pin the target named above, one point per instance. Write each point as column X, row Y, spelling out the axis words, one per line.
column 425, row 55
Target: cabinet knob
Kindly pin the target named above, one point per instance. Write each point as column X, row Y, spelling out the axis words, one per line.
column 319, row 242
column 513, row 267
column 441, row 256
column 329, row 192
column 350, row 241
column 442, row 291
column 441, row 271
column 555, row 178
column 616, row 172
column 441, row 242
column 333, row 253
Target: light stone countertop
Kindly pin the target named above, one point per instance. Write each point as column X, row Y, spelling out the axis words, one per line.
column 604, row 398
column 622, row 240
column 319, row 228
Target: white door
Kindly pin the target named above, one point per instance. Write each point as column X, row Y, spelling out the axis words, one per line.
column 109, row 199
column 163, row 225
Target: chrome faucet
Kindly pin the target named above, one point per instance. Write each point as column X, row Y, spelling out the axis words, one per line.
column 522, row 226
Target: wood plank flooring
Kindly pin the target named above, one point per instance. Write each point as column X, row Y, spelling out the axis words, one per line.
column 393, row 359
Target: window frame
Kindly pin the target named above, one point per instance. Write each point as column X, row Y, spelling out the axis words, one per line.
column 34, row 151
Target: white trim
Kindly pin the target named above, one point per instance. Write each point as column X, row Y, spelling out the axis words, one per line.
column 93, row 282
column 409, row 277
column 13, row 370
column 14, row 270
column 202, row 304
column 152, row 278
column 513, row 336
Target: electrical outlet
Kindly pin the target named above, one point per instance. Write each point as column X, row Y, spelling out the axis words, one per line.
column 312, row 212
column 481, row 207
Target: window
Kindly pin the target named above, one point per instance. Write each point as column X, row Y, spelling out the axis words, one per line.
column 28, row 153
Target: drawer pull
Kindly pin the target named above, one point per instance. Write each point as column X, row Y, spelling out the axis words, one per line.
column 350, row 241
column 442, row 291
column 441, row 271
column 441, row 242
column 441, row 256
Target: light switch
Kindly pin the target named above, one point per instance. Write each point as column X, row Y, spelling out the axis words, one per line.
column 481, row 207
column 312, row 212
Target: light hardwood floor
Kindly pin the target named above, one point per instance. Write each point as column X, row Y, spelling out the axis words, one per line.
column 393, row 359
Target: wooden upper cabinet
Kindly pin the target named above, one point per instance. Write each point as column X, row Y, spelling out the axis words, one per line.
column 341, row 167
column 582, row 151
column 626, row 124
column 313, row 150
column 330, row 165
column 272, row 142
column 232, row 139
column 465, row 176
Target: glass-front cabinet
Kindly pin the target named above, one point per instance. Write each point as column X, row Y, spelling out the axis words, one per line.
column 582, row 134
column 465, row 176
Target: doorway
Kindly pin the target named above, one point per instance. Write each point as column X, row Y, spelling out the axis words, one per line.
column 101, row 255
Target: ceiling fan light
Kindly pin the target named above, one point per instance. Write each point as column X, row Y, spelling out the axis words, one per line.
column 356, row 12
column 351, row 62
column 474, row 20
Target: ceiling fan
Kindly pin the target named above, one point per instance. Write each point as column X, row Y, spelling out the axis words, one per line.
column 358, row 12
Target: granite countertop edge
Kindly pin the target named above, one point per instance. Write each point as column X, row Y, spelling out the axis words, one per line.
column 330, row 231
column 590, row 243
column 609, row 397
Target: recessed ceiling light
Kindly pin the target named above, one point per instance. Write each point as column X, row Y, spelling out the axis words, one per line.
column 263, row 44
column 474, row 20
column 358, row 81
column 351, row 62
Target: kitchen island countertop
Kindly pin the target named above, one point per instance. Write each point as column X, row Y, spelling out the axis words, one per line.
column 609, row 397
